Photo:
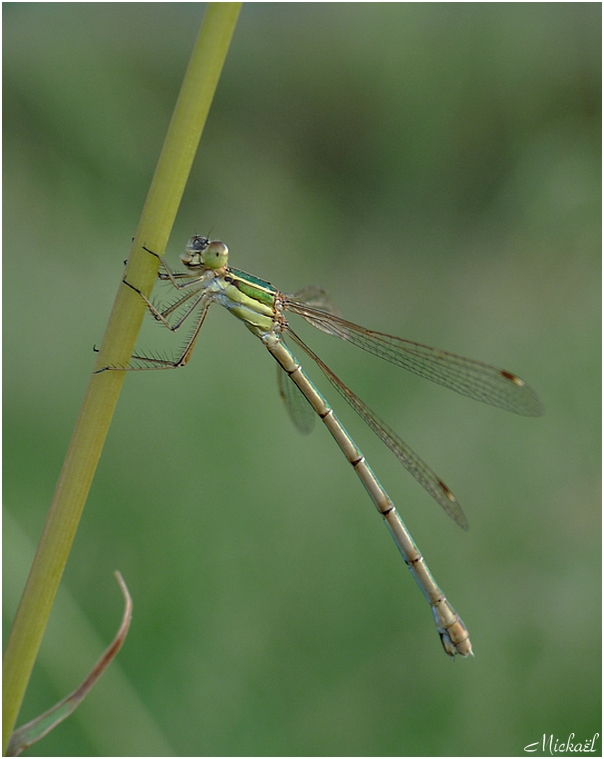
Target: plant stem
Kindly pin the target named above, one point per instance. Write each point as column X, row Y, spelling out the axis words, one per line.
column 99, row 403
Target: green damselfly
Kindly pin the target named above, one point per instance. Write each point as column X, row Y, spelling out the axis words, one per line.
column 262, row 308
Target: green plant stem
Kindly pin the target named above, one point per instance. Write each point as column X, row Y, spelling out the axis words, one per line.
column 118, row 343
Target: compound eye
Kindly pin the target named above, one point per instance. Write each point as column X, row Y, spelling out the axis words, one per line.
column 216, row 255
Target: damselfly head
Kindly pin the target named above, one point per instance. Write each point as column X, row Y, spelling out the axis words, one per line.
column 200, row 253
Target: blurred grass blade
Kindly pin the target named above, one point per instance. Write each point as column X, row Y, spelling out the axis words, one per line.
column 31, row 732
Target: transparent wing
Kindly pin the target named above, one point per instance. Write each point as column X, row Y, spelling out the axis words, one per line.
column 317, row 299
column 410, row 460
column 479, row 381
column 299, row 409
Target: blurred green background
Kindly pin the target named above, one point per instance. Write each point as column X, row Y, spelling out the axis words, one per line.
column 436, row 167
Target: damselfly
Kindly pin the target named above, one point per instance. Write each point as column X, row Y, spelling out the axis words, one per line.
column 262, row 308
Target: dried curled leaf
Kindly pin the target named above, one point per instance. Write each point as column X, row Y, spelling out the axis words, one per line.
column 31, row 732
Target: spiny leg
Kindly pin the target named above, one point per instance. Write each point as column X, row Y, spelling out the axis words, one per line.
column 153, row 362
column 161, row 315
column 174, row 276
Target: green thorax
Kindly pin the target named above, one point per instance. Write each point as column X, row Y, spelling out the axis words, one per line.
column 250, row 299
column 252, row 286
